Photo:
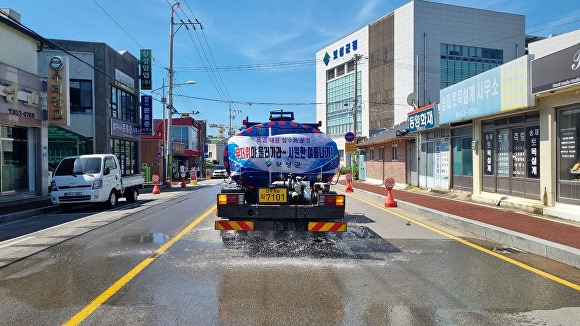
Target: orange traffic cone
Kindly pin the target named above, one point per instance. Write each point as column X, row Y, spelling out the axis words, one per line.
column 390, row 201
column 348, row 182
column 156, row 190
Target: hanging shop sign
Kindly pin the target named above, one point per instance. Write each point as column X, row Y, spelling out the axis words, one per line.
column 500, row 89
column 557, row 70
column 422, row 119
column 146, row 72
column 146, row 114
column 58, row 91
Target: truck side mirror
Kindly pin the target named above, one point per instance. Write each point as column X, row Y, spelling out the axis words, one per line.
column 106, row 171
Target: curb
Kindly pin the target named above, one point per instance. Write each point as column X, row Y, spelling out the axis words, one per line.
column 555, row 251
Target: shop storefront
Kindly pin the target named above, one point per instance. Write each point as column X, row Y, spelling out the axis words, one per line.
column 22, row 122
column 511, row 155
column 556, row 83
column 434, row 149
column 493, row 149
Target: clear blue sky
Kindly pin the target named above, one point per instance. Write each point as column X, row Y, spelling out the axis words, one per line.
column 264, row 49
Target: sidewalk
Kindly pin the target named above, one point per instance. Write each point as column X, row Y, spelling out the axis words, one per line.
column 549, row 237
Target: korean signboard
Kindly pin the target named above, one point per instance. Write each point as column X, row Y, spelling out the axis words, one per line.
column 146, row 72
column 422, row 118
column 500, row 89
column 343, row 50
column 147, row 114
column 557, row 70
column 57, row 92
column 125, row 129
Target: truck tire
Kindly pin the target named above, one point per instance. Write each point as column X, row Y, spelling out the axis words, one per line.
column 66, row 207
column 112, row 201
column 132, row 194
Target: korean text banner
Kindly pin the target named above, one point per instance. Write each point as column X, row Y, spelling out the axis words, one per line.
column 500, row 89
column 285, row 153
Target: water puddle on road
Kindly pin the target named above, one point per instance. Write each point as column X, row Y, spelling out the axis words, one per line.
column 157, row 238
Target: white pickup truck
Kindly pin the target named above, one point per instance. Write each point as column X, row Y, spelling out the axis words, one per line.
column 92, row 179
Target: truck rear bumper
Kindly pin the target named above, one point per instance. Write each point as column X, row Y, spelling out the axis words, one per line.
column 277, row 212
column 280, row 225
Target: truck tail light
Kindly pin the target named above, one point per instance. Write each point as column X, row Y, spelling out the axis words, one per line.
column 331, row 200
column 230, row 199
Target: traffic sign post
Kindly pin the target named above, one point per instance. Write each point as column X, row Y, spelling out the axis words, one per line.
column 390, row 201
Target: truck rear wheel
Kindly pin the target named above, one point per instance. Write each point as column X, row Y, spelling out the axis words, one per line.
column 132, row 194
column 112, row 200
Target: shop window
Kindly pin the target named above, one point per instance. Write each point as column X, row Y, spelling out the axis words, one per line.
column 467, row 157
column 569, row 141
column 81, row 96
column 503, row 153
column 519, row 154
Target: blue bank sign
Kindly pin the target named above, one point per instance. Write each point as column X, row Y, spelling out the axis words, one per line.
column 340, row 52
column 503, row 88
column 422, row 118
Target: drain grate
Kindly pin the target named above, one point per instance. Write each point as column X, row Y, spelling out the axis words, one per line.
column 506, row 250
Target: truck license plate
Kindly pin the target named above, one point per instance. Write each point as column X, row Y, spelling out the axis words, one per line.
column 272, row 195
column 72, row 194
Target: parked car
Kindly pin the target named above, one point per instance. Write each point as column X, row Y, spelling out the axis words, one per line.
column 219, row 172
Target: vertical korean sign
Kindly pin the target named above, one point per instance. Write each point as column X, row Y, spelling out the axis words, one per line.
column 145, row 65
column 146, row 114
column 58, row 89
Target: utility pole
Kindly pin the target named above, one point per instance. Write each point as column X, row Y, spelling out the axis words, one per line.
column 230, row 131
column 164, row 146
column 170, row 109
column 357, row 57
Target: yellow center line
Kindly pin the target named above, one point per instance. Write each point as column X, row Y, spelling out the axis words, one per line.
column 103, row 297
column 473, row 245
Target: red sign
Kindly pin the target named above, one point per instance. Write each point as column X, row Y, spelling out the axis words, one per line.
column 389, row 183
column 155, row 177
column 349, row 176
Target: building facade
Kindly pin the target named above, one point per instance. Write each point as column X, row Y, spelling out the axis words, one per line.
column 402, row 60
column 103, row 112
column 187, row 138
column 23, row 111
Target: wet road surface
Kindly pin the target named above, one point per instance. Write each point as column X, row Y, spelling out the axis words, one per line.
column 382, row 271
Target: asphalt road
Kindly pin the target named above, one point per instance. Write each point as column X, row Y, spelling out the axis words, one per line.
column 160, row 262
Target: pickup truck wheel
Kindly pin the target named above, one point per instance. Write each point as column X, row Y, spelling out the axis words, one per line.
column 132, row 195
column 112, row 199
column 66, row 207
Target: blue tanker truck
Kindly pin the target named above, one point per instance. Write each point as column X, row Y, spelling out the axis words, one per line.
column 281, row 175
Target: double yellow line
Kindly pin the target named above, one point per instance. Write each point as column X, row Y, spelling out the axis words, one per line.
column 473, row 245
column 80, row 316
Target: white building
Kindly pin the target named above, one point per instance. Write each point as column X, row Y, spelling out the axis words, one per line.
column 406, row 57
